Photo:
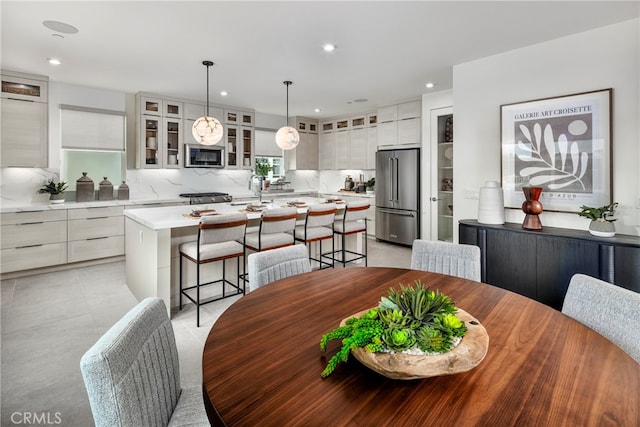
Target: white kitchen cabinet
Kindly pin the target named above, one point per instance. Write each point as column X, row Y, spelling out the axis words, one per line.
column 372, row 147
column 247, row 140
column 358, row 155
column 409, row 110
column 172, row 109
column 231, row 117
column 327, row 150
column 172, row 149
column 329, row 126
column 240, row 147
column 388, row 113
column 305, row 155
column 150, row 138
column 95, row 233
column 387, row 133
column 150, row 106
column 194, row 111
column 343, row 150
column 24, row 120
column 409, row 131
column 33, row 239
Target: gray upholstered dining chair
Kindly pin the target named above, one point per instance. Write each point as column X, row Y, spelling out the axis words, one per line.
column 610, row 310
column 275, row 264
column 446, row 258
column 132, row 374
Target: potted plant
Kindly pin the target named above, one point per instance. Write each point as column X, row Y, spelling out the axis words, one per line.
column 601, row 224
column 262, row 170
column 55, row 190
column 410, row 334
column 370, row 185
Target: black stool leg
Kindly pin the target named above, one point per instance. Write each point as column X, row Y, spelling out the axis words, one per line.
column 198, row 295
column 180, row 281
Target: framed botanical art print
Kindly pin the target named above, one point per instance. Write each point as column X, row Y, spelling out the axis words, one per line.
column 562, row 144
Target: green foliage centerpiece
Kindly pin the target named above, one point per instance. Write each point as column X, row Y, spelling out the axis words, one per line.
column 414, row 320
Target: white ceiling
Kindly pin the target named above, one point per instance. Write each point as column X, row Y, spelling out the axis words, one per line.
column 386, row 51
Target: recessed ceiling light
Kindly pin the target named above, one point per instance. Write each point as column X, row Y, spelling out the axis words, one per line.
column 54, row 61
column 317, row 110
column 60, row 27
column 328, row 47
column 429, row 85
column 224, row 93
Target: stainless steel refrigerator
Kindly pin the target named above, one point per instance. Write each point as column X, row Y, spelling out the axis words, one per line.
column 398, row 195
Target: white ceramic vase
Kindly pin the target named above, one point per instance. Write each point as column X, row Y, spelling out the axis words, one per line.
column 491, row 204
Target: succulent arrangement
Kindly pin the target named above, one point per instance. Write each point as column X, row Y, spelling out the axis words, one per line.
column 603, row 213
column 413, row 317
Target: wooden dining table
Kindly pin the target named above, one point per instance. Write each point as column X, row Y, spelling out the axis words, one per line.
column 262, row 362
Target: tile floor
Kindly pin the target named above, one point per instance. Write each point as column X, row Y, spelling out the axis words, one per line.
column 49, row 320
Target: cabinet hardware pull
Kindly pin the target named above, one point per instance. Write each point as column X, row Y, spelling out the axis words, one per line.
column 28, row 246
column 18, row 99
column 30, row 223
column 98, row 238
column 98, row 217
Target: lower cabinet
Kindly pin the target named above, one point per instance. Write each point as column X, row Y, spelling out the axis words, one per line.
column 95, row 233
column 33, row 239
column 540, row 264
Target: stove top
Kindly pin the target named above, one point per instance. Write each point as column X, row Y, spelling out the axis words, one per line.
column 212, row 197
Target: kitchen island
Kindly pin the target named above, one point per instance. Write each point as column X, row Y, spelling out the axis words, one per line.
column 152, row 239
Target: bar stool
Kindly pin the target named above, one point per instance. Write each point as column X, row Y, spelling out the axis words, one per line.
column 275, row 230
column 353, row 221
column 318, row 226
column 218, row 237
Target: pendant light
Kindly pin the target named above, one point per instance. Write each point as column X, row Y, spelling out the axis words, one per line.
column 287, row 137
column 207, row 130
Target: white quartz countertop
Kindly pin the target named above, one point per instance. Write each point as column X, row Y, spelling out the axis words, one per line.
column 160, row 218
column 349, row 194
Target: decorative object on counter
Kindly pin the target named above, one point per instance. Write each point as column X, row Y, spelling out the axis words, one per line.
column 491, row 204
column 85, row 191
column 601, row 219
column 371, row 185
column 55, row 191
column 348, row 183
column 207, row 130
column 413, row 333
column 123, row 191
column 105, row 191
column 532, row 208
column 287, row 137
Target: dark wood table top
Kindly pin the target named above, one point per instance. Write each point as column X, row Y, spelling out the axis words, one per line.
column 262, row 362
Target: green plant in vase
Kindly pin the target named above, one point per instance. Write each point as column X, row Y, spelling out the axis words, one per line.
column 602, row 219
column 262, row 168
column 370, row 185
column 55, row 190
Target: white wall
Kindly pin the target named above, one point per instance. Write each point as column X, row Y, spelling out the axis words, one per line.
column 607, row 57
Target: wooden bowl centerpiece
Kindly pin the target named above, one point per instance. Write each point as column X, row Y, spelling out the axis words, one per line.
column 413, row 333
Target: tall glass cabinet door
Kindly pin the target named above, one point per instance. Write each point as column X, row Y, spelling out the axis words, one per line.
column 247, row 147
column 173, row 143
column 442, row 179
column 232, row 145
column 151, row 129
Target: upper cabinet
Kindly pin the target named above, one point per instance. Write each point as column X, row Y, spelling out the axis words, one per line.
column 305, row 156
column 349, row 143
column 164, row 127
column 24, row 117
column 400, row 124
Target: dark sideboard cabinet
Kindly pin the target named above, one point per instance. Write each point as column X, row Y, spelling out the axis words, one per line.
column 539, row 264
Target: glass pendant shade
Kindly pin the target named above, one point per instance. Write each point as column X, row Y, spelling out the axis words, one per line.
column 207, row 130
column 287, row 138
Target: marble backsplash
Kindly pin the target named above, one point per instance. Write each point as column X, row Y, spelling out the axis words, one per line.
column 20, row 185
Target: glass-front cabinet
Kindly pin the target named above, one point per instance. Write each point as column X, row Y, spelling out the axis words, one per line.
column 247, row 147
column 173, row 143
column 442, row 179
column 231, row 141
column 152, row 134
column 163, row 142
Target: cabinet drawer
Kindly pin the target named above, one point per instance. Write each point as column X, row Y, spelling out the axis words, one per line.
column 16, row 259
column 91, row 228
column 33, row 216
column 95, row 212
column 82, row 250
column 21, row 235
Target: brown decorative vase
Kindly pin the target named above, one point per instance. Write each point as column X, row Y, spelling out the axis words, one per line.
column 532, row 208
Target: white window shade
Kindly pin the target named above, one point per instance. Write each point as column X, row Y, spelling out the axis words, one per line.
column 91, row 128
column 266, row 144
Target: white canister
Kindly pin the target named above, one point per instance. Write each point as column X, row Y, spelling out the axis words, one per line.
column 491, row 204
column 152, row 142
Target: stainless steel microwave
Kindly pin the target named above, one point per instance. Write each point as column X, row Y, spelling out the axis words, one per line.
column 203, row 156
